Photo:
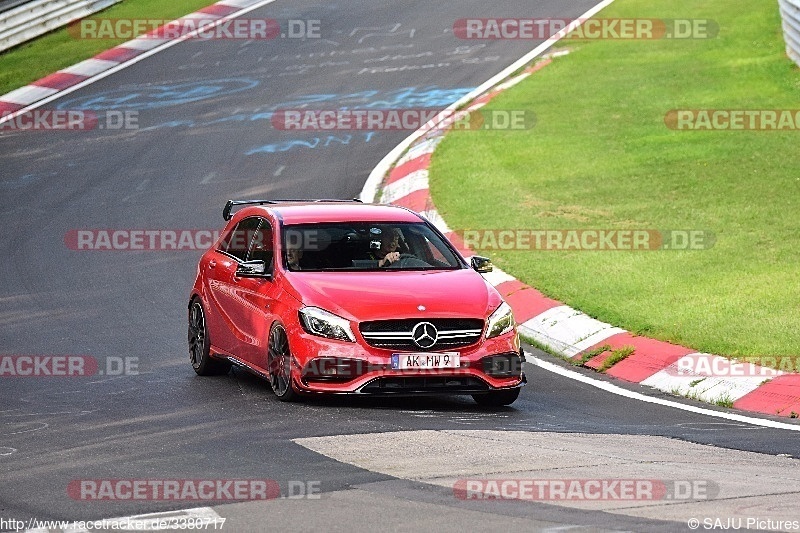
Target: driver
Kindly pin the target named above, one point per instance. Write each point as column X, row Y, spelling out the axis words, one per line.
column 390, row 242
column 294, row 253
column 293, row 250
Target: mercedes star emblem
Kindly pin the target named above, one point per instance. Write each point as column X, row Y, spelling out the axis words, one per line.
column 424, row 335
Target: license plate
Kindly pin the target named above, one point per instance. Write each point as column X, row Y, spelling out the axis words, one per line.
column 411, row 361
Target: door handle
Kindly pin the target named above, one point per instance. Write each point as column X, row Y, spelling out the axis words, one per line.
column 212, row 264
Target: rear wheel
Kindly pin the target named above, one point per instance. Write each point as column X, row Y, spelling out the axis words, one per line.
column 279, row 363
column 200, row 344
column 496, row 398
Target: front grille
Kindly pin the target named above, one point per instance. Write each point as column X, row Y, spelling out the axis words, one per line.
column 398, row 334
column 425, row 385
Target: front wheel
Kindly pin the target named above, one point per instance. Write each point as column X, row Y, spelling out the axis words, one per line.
column 200, row 344
column 279, row 364
column 496, row 398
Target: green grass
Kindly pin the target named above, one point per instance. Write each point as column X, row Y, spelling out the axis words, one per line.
column 601, row 156
column 591, row 354
column 615, row 357
column 724, row 401
column 57, row 50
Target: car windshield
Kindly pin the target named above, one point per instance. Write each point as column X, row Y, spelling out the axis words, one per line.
column 365, row 246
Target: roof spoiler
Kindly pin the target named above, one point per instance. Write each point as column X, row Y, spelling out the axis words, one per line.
column 230, row 204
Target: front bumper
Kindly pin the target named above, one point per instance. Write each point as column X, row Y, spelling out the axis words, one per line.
column 413, row 385
column 314, row 357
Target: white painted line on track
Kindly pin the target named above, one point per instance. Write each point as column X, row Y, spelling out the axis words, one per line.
column 370, row 189
column 614, row 389
column 130, row 62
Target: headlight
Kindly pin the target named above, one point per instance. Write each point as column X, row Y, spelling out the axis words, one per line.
column 501, row 321
column 324, row 324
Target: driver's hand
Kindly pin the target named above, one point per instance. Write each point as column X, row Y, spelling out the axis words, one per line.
column 390, row 258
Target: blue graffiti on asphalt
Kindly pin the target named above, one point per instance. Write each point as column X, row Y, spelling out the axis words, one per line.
column 157, row 96
column 315, row 142
column 405, row 98
column 21, row 181
column 146, row 97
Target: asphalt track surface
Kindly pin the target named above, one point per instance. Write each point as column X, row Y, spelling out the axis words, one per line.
column 203, row 138
column 5, row 5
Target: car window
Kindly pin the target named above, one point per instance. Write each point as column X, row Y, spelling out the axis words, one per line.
column 362, row 245
column 262, row 247
column 240, row 240
column 434, row 252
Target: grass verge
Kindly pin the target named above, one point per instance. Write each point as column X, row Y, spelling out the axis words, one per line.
column 615, row 357
column 601, row 156
column 58, row 49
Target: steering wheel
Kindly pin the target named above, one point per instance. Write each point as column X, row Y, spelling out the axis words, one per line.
column 406, row 261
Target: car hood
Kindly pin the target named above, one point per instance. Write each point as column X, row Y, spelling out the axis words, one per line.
column 361, row 296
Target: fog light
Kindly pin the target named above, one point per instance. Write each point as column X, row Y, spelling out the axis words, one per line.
column 503, row 366
column 334, row 369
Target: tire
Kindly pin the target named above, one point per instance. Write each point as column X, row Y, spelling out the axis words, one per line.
column 200, row 344
column 496, row 398
column 279, row 364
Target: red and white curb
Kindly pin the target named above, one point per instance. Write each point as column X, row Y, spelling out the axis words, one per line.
column 402, row 179
column 548, row 322
column 115, row 59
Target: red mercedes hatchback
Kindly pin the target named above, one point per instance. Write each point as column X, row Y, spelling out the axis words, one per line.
column 327, row 296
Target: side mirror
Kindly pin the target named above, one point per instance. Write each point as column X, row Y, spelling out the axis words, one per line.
column 482, row 265
column 252, row 269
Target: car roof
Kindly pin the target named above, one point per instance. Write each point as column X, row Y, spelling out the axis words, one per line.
column 312, row 212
